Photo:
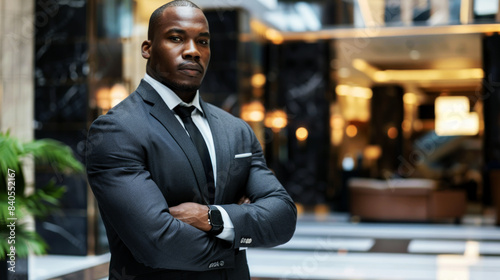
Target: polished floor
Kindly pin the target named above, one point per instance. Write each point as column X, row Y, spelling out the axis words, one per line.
column 333, row 247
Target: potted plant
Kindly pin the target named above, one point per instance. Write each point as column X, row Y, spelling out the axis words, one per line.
column 17, row 240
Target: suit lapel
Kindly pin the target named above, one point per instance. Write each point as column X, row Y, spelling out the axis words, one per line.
column 221, row 143
column 164, row 115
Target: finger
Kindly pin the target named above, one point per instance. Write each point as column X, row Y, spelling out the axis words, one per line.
column 242, row 200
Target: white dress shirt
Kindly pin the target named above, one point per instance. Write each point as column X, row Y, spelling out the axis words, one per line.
column 172, row 100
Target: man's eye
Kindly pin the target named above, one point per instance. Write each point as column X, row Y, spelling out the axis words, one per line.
column 175, row 38
column 204, row 42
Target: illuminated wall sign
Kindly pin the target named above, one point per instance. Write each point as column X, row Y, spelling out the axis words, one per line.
column 453, row 116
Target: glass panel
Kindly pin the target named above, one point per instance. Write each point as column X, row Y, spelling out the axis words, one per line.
column 485, row 10
column 114, row 18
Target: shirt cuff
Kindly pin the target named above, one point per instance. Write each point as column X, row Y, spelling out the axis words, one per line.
column 228, row 231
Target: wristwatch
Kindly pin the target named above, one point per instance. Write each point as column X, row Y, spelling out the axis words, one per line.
column 215, row 220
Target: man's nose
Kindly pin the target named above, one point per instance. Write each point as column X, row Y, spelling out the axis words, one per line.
column 191, row 51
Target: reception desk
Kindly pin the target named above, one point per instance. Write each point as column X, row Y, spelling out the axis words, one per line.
column 404, row 200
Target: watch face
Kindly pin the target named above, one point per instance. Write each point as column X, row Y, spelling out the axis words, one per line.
column 216, row 218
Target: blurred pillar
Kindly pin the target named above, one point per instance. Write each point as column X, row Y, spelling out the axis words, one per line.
column 16, row 68
column 491, row 97
column 17, row 29
column 301, row 89
column 61, row 107
column 440, row 12
column 407, row 12
column 497, row 18
column 387, row 113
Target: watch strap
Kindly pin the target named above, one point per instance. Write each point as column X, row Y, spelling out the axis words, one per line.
column 215, row 220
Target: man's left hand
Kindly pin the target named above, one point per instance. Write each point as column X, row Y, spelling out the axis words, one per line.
column 192, row 214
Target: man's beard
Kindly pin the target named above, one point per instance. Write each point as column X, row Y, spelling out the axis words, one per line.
column 163, row 77
column 181, row 87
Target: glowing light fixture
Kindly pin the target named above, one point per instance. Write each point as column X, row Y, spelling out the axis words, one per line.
column 354, row 91
column 253, row 112
column 372, row 152
column 428, row 75
column 337, row 129
column 351, row 131
column 410, row 98
column 301, row 133
column 392, row 132
column 258, row 80
column 274, row 36
column 107, row 98
column 117, row 93
column 276, row 120
column 417, row 75
column 453, row 116
column 102, row 98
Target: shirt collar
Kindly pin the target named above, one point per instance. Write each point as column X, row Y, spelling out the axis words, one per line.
column 169, row 97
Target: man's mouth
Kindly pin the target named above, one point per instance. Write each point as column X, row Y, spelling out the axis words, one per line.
column 191, row 69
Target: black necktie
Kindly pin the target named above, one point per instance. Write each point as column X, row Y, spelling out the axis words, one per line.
column 201, row 146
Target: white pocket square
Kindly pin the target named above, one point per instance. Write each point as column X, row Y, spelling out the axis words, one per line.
column 242, row 155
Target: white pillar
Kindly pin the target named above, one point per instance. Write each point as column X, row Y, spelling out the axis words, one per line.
column 440, row 12
column 16, row 67
column 17, row 34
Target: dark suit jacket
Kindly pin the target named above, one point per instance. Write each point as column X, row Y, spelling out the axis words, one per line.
column 140, row 161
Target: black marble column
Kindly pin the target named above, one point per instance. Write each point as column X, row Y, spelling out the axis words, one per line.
column 387, row 111
column 301, row 89
column 491, row 101
column 61, row 102
column 222, row 78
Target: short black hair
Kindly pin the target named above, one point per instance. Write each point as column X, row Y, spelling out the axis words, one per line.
column 156, row 15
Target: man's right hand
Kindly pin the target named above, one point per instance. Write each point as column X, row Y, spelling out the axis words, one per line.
column 244, row 200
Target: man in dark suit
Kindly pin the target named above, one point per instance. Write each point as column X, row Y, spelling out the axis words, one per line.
column 182, row 186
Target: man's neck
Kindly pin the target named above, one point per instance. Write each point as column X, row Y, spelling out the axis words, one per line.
column 186, row 96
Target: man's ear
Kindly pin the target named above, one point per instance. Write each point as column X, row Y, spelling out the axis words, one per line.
column 146, row 49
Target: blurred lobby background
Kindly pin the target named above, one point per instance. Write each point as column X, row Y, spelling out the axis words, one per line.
column 380, row 117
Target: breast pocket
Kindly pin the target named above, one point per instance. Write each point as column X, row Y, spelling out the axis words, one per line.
column 240, row 164
column 240, row 168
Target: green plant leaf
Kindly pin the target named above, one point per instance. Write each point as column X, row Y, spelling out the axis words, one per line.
column 55, row 154
column 42, row 201
column 10, row 149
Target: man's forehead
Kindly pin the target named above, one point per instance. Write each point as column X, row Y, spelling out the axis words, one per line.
column 188, row 15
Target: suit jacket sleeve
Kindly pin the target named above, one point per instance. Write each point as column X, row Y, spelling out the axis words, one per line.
column 136, row 209
column 271, row 218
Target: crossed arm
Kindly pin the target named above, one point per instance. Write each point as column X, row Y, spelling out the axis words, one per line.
column 116, row 167
column 195, row 214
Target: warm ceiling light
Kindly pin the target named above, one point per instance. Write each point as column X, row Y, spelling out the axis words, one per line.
column 276, row 120
column 453, row 116
column 365, row 67
column 372, row 152
column 253, row 112
column 428, row 75
column 258, row 80
column 410, row 98
column 258, row 27
column 360, row 64
column 118, row 93
column 351, row 130
column 406, row 125
column 392, row 132
column 360, row 92
column 301, row 133
column 418, row 75
column 103, row 98
column 342, row 90
column 274, row 36
column 337, row 122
